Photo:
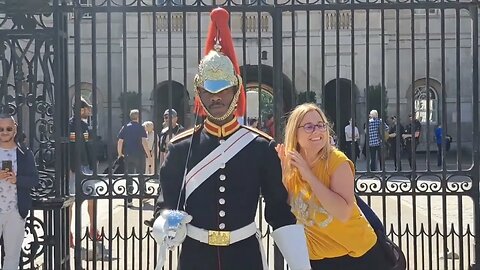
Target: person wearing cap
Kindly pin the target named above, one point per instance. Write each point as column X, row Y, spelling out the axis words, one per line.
column 86, row 161
column 228, row 167
column 167, row 132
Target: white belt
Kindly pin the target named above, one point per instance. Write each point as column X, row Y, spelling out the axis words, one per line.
column 221, row 238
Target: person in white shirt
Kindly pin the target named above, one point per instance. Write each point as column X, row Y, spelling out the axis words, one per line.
column 352, row 155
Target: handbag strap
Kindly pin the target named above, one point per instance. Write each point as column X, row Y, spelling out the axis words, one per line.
column 370, row 215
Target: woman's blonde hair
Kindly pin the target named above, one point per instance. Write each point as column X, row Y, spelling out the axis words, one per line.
column 291, row 139
column 148, row 124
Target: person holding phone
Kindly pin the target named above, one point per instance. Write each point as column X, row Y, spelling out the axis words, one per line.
column 18, row 175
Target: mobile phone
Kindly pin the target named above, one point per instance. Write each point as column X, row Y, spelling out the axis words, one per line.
column 7, row 165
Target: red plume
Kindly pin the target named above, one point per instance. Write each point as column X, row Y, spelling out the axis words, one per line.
column 219, row 29
column 198, row 108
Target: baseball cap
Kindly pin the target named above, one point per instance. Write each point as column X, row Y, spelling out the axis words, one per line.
column 167, row 112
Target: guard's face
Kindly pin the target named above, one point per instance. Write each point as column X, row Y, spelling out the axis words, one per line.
column 217, row 104
column 85, row 112
column 8, row 129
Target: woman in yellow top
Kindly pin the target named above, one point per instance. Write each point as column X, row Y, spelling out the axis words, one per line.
column 320, row 182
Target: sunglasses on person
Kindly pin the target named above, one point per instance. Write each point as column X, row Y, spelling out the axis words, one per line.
column 310, row 128
column 8, row 129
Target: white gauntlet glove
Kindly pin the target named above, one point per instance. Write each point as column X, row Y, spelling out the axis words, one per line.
column 291, row 241
column 169, row 231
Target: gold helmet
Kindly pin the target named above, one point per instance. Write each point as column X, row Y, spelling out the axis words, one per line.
column 218, row 70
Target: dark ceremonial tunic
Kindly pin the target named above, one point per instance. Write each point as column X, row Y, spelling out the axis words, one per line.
column 87, row 145
column 254, row 170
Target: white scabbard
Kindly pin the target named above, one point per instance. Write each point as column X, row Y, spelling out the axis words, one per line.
column 291, row 241
column 159, row 234
column 162, row 251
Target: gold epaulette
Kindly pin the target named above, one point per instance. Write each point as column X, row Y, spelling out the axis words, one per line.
column 259, row 132
column 185, row 134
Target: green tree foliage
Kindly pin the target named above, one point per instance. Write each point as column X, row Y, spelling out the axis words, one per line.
column 266, row 104
column 304, row 97
column 374, row 95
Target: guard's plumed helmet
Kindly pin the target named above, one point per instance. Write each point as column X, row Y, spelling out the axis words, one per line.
column 219, row 70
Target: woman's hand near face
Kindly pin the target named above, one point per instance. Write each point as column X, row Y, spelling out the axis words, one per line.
column 302, row 165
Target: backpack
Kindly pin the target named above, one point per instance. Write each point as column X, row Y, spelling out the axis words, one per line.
column 393, row 253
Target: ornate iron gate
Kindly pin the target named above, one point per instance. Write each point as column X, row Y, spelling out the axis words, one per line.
column 397, row 57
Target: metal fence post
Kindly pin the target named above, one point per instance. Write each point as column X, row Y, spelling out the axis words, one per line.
column 277, row 72
column 476, row 156
column 278, row 99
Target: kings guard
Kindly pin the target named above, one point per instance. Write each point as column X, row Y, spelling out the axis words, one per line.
column 216, row 172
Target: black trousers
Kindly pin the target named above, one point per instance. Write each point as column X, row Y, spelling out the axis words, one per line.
column 374, row 259
column 439, row 155
column 351, row 154
column 374, row 154
column 393, row 153
column 408, row 146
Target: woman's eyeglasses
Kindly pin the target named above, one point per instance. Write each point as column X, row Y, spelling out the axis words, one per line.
column 9, row 129
column 310, row 128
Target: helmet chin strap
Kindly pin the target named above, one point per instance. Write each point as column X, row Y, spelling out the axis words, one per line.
column 230, row 111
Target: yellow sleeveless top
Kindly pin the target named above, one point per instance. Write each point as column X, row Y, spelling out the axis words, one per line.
column 326, row 236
